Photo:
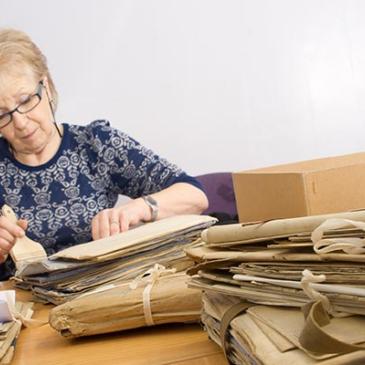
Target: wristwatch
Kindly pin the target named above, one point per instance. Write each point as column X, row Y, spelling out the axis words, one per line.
column 152, row 204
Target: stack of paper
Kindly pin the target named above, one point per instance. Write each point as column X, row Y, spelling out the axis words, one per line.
column 11, row 313
column 241, row 260
column 149, row 300
column 287, row 263
column 265, row 335
column 116, row 259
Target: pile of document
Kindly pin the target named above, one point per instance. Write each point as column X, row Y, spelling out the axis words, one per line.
column 159, row 296
column 12, row 314
column 283, row 266
column 122, row 257
column 268, row 335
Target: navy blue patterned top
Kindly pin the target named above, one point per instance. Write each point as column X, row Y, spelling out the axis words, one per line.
column 93, row 165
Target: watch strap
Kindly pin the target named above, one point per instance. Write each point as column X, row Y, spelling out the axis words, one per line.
column 153, row 205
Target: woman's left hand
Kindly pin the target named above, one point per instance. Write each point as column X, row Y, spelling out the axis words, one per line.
column 179, row 198
column 115, row 220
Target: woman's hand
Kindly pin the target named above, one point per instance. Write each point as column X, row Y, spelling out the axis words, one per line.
column 179, row 198
column 115, row 220
column 9, row 232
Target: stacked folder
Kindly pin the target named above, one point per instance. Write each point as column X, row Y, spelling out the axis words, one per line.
column 81, row 268
column 286, row 263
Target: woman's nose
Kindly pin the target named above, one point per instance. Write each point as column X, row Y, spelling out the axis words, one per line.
column 19, row 120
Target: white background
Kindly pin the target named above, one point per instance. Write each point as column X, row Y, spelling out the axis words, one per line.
column 213, row 85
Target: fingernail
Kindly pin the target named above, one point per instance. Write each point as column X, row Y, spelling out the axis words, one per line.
column 20, row 233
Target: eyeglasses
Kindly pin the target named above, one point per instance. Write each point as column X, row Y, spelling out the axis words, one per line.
column 24, row 107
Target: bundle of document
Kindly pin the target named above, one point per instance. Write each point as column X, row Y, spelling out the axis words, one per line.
column 287, row 263
column 159, row 296
column 119, row 258
column 12, row 314
column 267, row 335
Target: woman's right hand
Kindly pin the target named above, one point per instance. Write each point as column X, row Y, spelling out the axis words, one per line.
column 9, row 232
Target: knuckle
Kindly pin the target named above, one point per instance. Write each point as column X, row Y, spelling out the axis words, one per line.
column 3, row 233
column 5, row 247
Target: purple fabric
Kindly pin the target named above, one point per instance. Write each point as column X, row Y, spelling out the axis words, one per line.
column 219, row 189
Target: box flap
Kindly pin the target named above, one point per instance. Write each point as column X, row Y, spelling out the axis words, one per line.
column 314, row 165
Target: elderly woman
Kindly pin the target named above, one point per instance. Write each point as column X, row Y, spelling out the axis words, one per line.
column 63, row 180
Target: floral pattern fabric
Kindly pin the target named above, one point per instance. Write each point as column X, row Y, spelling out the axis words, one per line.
column 94, row 164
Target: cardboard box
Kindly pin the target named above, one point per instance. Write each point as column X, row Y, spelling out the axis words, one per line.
column 326, row 185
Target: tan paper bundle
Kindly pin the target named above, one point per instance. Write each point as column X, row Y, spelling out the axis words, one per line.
column 235, row 234
column 288, row 263
column 82, row 268
column 137, row 239
column 271, row 276
column 279, row 292
column 339, row 237
column 272, row 336
column 160, row 296
column 341, row 272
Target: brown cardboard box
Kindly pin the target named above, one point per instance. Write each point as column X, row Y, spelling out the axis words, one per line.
column 312, row 187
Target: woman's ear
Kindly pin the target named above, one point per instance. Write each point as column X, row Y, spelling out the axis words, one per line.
column 46, row 84
column 48, row 90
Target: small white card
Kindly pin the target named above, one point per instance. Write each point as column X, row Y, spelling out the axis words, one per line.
column 7, row 303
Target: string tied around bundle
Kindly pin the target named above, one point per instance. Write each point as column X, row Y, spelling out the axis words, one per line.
column 309, row 278
column 149, row 279
column 25, row 319
column 27, row 322
column 349, row 245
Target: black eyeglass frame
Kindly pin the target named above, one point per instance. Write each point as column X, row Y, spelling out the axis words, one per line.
column 38, row 93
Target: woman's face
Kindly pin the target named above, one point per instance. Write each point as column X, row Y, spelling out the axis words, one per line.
column 31, row 133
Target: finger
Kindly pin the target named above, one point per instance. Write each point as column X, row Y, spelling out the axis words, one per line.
column 12, row 228
column 100, row 225
column 104, row 224
column 22, row 223
column 123, row 222
column 3, row 257
column 5, row 246
column 114, row 221
column 95, row 228
column 5, row 235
